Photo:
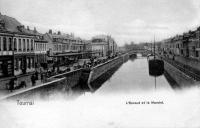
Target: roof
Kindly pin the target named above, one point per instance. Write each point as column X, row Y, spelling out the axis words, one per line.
column 100, row 37
column 12, row 25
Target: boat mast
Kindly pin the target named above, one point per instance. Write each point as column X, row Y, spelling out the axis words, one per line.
column 154, row 57
column 154, row 47
column 155, row 83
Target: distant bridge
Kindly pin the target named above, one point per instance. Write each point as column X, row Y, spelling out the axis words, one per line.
column 144, row 52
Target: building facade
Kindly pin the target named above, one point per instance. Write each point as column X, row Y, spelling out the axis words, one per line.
column 24, row 57
column 6, row 54
column 104, row 46
column 64, row 48
column 40, row 50
column 185, row 45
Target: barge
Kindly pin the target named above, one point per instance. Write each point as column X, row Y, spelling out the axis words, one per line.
column 89, row 75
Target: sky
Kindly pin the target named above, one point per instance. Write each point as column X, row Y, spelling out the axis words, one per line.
column 124, row 20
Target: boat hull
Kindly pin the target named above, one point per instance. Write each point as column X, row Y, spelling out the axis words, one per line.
column 156, row 67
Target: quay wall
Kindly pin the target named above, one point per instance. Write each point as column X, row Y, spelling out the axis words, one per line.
column 99, row 70
column 61, row 82
column 126, row 57
column 4, row 81
column 180, row 78
column 71, row 78
column 36, row 91
column 193, row 63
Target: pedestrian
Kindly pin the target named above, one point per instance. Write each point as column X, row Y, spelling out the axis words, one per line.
column 173, row 57
column 36, row 75
column 45, row 77
column 33, row 80
column 54, row 67
column 11, row 85
column 42, row 78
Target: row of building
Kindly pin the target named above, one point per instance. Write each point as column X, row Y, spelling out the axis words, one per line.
column 23, row 50
column 186, row 45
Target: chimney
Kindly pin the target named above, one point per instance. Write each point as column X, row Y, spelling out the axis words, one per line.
column 34, row 30
column 2, row 24
column 59, row 33
column 198, row 28
column 50, row 31
column 28, row 28
column 72, row 34
column 20, row 28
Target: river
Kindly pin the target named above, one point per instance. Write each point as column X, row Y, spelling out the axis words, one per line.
column 134, row 76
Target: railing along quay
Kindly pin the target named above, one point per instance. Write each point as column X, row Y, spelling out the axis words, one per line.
column 185, row 69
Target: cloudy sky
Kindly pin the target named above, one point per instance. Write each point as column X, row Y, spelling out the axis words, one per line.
column 125, row 20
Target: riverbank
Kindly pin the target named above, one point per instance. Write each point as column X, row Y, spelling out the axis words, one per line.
column 183, row 75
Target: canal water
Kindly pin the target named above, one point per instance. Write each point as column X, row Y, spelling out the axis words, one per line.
column 134, row 76
column 131, row 77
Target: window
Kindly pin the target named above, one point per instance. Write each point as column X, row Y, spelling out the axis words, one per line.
column 0, row 43
column 67, row 47
column 43, row 47
column 10, row 44
column 19, row 45
column 29, row 62
column 197, row 54
column 20, row 63
column 54, row 48
column 1, row 71
column 31, row 44
column 32, row 62
column 27, row 44
column 193, row 48
column 60, row 47
column 16, row 64
column 15, row 44
column 24, row 45
column 4, row 44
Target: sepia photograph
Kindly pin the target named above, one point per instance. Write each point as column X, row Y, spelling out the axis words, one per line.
column 99, row 64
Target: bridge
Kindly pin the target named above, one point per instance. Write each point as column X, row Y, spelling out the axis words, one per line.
column 144, row 52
